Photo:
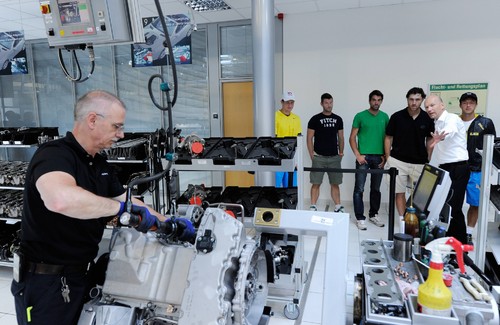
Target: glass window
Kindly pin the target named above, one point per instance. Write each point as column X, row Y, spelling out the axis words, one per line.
column 54, row 93
column 132, row 85
column 16, row 100
column 236, row 51
column 45, row 98
column 191, row 111
column 102, row 77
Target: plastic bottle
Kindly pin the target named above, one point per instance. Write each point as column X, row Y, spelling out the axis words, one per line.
column 422, row 220
column 412, row 224
column 434, row 298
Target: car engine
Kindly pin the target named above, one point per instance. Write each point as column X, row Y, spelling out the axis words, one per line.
column 152, row 279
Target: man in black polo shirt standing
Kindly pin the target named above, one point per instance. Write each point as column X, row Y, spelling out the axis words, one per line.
column 405, row 144
column 71, row 192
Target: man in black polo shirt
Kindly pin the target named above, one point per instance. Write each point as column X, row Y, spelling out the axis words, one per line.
column 70, row 194
column 405, row 144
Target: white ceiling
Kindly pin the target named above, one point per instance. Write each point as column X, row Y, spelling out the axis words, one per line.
column 25, row 14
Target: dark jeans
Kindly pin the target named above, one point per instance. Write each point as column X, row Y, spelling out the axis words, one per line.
column 372, row 162
column 459, row 175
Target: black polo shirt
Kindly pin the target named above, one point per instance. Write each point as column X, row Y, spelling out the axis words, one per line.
column 408, row 136
column 54, row 238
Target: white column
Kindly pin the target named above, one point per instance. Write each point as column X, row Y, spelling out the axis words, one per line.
column 263, row 72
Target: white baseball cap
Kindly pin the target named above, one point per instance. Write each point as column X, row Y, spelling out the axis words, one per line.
column 288, row 95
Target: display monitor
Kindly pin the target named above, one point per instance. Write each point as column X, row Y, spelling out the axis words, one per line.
column 431, row 192
column 73, row 12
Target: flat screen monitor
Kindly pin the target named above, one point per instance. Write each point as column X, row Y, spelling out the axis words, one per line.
column 73, row 12
column 431, row 192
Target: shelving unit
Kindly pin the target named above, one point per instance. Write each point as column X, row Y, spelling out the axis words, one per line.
column 287, row 165
column 12, row 188
column 490, row 176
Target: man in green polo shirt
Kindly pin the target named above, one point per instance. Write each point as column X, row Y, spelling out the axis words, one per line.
column 369, row 129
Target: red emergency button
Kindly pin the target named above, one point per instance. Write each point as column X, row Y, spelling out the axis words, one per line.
column 45, row 8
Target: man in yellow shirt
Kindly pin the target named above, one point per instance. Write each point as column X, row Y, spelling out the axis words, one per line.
column 287, row 124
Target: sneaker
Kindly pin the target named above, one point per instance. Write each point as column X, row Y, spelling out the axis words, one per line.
column 340, row 209
column 376, row 221
column 361, row 224
column 313, row 208
column 469, row 240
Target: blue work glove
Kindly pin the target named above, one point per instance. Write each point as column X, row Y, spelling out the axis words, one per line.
column 185, row 229
column 123, row 207
column 147, row 220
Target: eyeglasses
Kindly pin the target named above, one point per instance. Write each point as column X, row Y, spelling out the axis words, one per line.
column 119, row 127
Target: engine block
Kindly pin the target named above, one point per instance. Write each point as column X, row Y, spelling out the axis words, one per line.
column 223, row 274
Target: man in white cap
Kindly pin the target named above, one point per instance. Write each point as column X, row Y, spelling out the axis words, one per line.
column 287, row 124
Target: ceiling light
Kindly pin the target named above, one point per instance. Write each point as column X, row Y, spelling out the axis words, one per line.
column 207, row 5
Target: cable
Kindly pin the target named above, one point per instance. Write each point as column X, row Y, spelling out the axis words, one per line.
column 165, row 88
column 170, row 50
column 73, row 48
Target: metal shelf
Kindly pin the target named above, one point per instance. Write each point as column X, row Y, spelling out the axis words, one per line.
column 239, row 165
column 287, row 165
column 125, row 161
column 10, row 220
column 16, row 188
column 18, row 145
column 7, row 263
column 494, row 239
column 489, row 176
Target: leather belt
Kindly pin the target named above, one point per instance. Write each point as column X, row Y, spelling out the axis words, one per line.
column 50, row 269
column 458, row 163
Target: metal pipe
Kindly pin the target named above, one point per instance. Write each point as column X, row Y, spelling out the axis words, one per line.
column 393, row 172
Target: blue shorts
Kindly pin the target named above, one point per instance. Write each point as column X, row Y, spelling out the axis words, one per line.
column 473, row 189
column 282, row 179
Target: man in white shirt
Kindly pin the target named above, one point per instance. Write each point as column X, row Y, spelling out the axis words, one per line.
column 448, row 150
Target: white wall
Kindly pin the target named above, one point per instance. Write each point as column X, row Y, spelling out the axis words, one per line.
column 348, row 53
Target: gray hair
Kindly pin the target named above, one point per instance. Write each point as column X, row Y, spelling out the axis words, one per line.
column 94, row 101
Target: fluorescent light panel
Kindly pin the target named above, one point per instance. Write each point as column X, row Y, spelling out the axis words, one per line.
column 207, row 5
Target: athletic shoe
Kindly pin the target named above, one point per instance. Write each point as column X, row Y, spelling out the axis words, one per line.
column 313, row 208
column 361, row 224
column 376, row 221
column 469, row 240
column 340, row 209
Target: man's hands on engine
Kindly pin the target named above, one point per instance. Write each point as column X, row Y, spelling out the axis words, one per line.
column 147, row 220
column 142, row 220
column 185, row 230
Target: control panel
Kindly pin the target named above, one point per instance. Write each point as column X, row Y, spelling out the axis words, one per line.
column 70, row 23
